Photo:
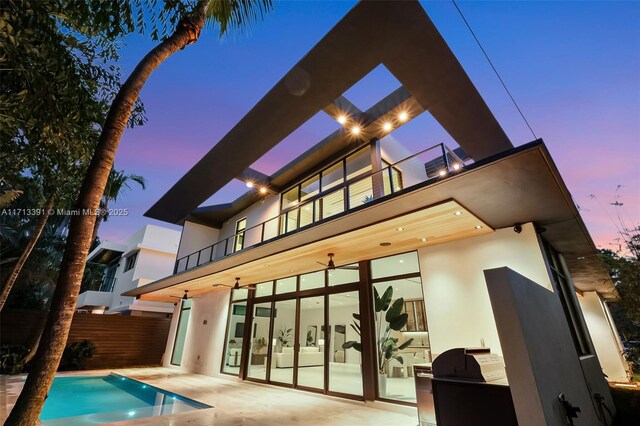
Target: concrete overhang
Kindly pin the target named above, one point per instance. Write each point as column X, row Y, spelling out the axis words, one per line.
column 518, row 186
column 397, row 34
column 106, row 252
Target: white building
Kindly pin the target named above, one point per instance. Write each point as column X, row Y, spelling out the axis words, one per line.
column 146, row 256
column 483, row 243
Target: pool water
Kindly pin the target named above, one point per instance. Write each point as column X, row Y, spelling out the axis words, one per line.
column 91, row 400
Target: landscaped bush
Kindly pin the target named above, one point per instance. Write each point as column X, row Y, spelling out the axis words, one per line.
column 11, row 357
column 75, row 355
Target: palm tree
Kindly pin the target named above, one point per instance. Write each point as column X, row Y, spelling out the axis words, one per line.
column 118, row 183
column 225, row 13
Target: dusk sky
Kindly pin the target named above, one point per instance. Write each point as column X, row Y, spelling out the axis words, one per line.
column 573, row 67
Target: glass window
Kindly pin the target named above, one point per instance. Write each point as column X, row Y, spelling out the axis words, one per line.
column 332, row 176
column 311, row 343
column 181, row 332
column 259, row 347
column 344, row 275
column 240, row 294
column 567, row 294
column 235, row 334
column 264, row 289
column 332, row 204
column 358, row 163
column 241, row 225
column 309, row 188
column 360, row 192
column 289, row 221
column 290, row 198
column 409, row 337
column 312, row 280
column 392, row 178
column 345, row 360
column 284, row 331
column 306, row 214
column 405, row 263
column 131, row 262
column 286, row 285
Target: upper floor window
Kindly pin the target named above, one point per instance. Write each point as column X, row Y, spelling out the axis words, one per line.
column 333, row 176
column 131, row 262
column 241, row 225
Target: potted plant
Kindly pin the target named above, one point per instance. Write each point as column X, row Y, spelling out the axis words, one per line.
column 284, row 336
column 388, row 316
column 259, row 345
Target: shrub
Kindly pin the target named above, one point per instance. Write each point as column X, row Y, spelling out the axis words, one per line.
column 75, row 355
column 11, row 357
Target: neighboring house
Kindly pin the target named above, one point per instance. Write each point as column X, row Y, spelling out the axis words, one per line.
column 146, row 256
column 270, row 282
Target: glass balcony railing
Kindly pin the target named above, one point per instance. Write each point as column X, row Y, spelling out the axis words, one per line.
column 431, row 164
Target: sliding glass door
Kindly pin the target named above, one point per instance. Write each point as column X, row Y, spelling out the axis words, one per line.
column 311, row 343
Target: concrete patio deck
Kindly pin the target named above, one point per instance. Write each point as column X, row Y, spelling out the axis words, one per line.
column 240, row 403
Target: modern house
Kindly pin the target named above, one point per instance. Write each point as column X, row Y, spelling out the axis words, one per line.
column 146, row 256
column 480, row 239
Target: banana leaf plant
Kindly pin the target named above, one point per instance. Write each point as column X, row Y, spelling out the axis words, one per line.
column 394, row 320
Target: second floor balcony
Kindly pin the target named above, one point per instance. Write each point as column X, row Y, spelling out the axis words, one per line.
column 310, row 203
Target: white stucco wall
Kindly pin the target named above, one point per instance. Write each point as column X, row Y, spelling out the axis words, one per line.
column 204, row 343
column 195, row 237
column 458, row 308
column 263, row 210
column 605, row 338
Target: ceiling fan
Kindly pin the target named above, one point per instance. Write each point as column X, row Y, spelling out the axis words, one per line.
column 331, row 265
column 236, row 286
column 185, row 296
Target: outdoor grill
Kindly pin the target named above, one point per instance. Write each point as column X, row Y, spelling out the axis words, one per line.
column 470, row 388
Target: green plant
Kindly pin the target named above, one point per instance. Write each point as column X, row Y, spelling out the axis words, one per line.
column 395, row 320
column 284, row 336
column 309, row 338
column 259, row 344
column 11, row 357
column 75, row 355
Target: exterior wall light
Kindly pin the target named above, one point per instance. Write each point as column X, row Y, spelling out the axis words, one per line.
column 442, row 173
column 263, row 190
column 456, row 166
column 342, row 119
column 355, row 130
column 249, row 184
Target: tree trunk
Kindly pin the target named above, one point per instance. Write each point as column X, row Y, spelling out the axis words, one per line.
column 15, row 272
column 102, row 213
column 56, row 331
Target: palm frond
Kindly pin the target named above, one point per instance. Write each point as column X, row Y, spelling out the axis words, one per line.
column 236, row 14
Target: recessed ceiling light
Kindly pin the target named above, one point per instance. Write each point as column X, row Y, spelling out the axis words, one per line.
column 423, row 239
column 342, row 119
column 249, row 184
column 403, row 116
column 442, row 173
column 387, row 127
column 400, row 229
column 478, row 227
column 401, row 261
column 385, row 244
column 456, row 166
column 355, row 130
column 263, row 190
column 457, row 213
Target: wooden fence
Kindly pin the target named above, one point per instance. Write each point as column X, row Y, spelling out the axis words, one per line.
column 121, row 341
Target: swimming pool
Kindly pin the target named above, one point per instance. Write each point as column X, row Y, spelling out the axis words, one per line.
column 91, row 400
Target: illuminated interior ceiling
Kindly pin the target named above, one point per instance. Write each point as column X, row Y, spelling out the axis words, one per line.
column 436, row 224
